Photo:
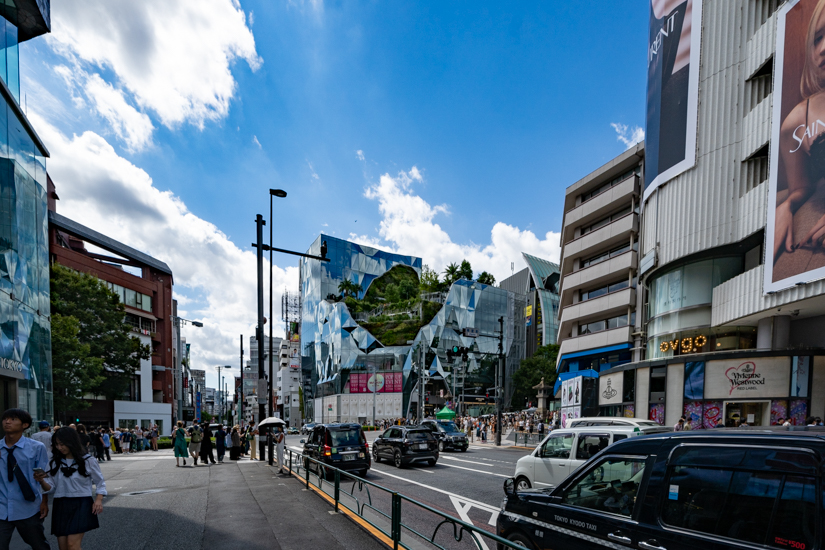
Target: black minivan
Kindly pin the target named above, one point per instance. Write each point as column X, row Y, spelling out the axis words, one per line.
column 709, row 489
column 343, row 446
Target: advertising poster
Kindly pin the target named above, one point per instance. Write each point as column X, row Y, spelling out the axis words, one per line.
column 794, row 251
column 390, row 382
column 610, row 389
column 672, row 89
column 564, row 385
column 747, row 379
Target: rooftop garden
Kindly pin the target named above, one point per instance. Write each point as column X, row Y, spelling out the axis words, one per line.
column 393, row 310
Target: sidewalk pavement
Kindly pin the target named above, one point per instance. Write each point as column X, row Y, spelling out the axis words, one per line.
column 235, row 505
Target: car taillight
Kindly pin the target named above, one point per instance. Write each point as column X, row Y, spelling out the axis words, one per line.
column 327, row 450
column 367, row 448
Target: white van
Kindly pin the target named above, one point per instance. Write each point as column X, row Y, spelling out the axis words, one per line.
column 564, row 450
column 609, row 421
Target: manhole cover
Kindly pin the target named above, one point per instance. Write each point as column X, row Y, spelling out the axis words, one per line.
column 136, row 493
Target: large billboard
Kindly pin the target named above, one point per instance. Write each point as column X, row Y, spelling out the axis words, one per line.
column 796, row 206
column 672, row 89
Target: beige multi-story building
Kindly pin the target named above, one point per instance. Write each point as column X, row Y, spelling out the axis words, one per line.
column 599, row 262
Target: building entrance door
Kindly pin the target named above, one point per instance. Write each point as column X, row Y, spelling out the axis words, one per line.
column 755, row 413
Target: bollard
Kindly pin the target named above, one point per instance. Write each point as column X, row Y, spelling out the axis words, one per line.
column 290, row 462
column 396, row 520
column 337, row 487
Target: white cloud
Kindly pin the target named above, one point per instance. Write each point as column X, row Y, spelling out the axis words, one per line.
column 130, row 125
column 174, row 58
column 312, row 171
column 408, row 223
column 360, row 154
column 256, row 142
column 214, row 279
column 636, row 134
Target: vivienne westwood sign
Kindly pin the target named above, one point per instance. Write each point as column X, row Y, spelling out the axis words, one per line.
column 611, row 387
column 748, row 378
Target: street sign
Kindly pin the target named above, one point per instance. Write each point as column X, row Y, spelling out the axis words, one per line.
column 471, row 332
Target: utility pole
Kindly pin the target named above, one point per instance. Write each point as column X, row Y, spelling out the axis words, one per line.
column 179, row 370
column 259, row 222
column 420, row 381
column 499, row 380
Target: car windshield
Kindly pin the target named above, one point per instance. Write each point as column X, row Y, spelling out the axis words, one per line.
column 449, row 426
column 418, row 434
column 350, row 436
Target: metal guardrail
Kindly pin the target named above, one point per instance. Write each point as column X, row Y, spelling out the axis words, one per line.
column 382, row 508
column 525, row 439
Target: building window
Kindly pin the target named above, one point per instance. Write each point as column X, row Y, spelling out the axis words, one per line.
column 604, row 221
column 607, row 324
column 599, row 258
column 615, row 181
column 606, row 289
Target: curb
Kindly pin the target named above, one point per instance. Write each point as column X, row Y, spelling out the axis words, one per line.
column 376, row 533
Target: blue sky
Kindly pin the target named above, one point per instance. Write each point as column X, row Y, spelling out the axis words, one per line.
column 443, row 130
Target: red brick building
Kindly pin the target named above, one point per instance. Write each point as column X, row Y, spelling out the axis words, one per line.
column 145, row 287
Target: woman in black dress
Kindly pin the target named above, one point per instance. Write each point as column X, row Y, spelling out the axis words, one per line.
column 206, row 445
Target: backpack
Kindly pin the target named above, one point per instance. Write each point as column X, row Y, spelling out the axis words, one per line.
column 197, row 435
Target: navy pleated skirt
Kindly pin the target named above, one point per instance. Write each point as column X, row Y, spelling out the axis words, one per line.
column 73, row 515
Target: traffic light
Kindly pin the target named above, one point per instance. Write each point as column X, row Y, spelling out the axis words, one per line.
column 488, row 395
column 77, row 420
column 455, row 351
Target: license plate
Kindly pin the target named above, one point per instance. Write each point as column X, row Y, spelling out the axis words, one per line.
column 421, row 446
column 347, row 458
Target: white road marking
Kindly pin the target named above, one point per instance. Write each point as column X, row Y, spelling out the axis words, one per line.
column 474, row 470
column 442, row 491
column 422, row 470
column 467, row 461
column 463, row 508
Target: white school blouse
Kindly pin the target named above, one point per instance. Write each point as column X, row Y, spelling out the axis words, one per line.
column 77, row 485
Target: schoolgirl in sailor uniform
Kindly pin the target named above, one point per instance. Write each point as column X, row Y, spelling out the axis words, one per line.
column 72, row 471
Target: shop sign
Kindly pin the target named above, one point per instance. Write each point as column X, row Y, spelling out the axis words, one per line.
column 15, row 369
column 747, row 378
column 684, row 345
column 611, row 388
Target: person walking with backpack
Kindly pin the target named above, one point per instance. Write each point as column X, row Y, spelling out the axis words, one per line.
column 195, row 438
column 206, row 445
column 179, row 443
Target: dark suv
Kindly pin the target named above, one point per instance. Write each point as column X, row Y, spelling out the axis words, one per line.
column 448, row 435
column 343, row 446
column 405, row 445
column 708, row 489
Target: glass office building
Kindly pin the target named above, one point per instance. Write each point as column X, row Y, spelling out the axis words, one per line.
column 25, row 333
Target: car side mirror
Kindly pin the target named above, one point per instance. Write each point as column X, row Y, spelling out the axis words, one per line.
column 303, row 441
column 510, row 487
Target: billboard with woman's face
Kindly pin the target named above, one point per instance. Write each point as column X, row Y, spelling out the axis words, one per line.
column 796, row 208
column 672, row 89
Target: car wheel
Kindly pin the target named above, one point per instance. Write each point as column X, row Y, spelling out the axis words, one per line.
column 431, row 462
column 375, row 455
column 520, row 540
column 397, row 460
column 440, row 446
column 523, row 484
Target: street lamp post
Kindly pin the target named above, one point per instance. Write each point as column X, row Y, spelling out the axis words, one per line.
column 179, row 321
column 259, row 331
column 243, row 396
column 280, row 193
column 223, row 402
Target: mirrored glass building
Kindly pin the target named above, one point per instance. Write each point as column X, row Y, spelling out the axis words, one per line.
column 343, row 362
column 25, row 329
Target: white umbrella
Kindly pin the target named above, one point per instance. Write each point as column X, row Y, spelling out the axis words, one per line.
column 271, row 421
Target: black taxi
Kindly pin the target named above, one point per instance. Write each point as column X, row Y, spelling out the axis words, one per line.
column 343, row 446
column 708, row 489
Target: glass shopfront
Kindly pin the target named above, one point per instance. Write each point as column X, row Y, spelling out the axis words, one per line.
column 25, row 329
column 680, row 305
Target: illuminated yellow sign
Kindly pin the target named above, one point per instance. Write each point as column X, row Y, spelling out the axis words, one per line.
column 685, row 345
column 528, row 311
